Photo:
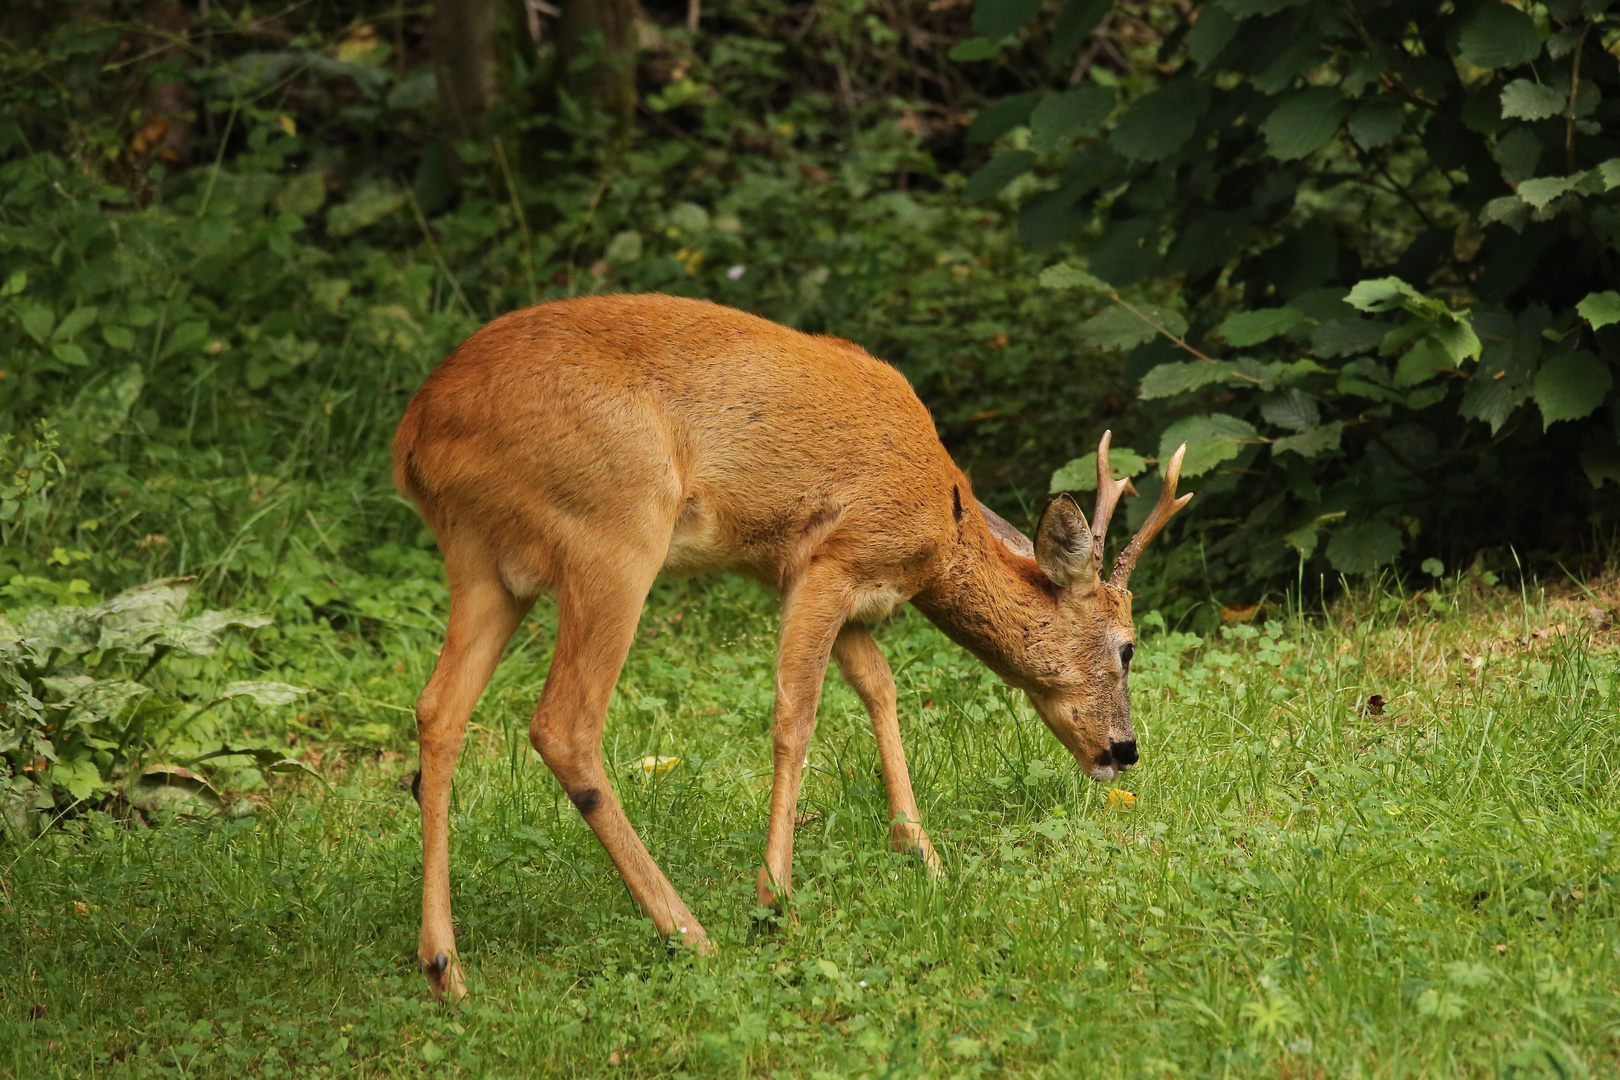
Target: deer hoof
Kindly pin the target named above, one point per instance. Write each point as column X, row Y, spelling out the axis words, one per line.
column 444, row 977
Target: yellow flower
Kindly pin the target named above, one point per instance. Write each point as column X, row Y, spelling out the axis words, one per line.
column 1120, row 799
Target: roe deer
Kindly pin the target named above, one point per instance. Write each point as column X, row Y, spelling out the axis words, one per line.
column 588, row 445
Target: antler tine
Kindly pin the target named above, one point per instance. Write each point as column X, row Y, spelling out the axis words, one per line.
column 1108, row 492
column 1163, row 510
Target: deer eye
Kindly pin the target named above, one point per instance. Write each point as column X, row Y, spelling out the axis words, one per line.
column 1126, row 651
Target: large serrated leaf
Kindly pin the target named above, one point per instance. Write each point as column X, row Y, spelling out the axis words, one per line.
column 1376, row 122
column 1159, row 123
column 1292, row 409
column 1069, row 115
column 1346, row 337
column 1600, row 309
column 996, row 120
column 1499, row 36
column 1117, row 328
column 1167, row 380
column 1526, row 100
column 1210, row 440
column 1081, row 473
column 997, row 173
column 1304, row 122
column 1571, row 386
column 1364, row 547
column 265, row 693
column 1248, row 328
column 173, row 789
column 1310, row 442
column 996, row 19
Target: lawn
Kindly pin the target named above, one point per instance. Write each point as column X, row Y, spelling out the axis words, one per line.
column 1377, row 840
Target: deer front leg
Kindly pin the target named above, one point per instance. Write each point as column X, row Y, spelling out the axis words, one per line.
column 868, row 674
column 811, row 618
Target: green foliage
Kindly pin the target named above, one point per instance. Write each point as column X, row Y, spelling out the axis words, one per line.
column 1386, row 237
column 85, row 712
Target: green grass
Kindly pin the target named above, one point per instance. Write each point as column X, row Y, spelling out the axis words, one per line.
column 1303, row 889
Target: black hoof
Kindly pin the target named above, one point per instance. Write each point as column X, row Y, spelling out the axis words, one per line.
column 437, row 966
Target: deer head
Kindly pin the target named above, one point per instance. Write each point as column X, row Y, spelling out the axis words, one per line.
column 1075, row 660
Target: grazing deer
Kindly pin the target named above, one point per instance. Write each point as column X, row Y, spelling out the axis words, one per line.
column 588, row 445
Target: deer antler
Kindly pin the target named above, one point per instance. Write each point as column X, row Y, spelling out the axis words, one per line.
column 1108, row 492
column 1163, row 510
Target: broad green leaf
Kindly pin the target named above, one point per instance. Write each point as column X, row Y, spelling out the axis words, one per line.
column 1610, row 173
column 1376, row 122
column 1302, row 539
column 1518, row 152
column 1248, row 328
column 1159, row 123
column 974, row 48
column 1210, row 440
column 1075, row 22
column 996, row 120
column 1081, row 473
column 1292, row 409
column 1456, row 335
column 1069, row 115
column 173, row 789
column 1543, row 190
column 1066, row 276
column 1210, row 35
column 1303, row 122
column 997, row 173
column 119, row 337
column 1499, row 36
column 37, row 319
column 186, row 337
column 264, row 693
column 1167, row 380
column 1117, row 328
column 1346, row 337
column 1600, row 309
column 1310, row 442
column 70, row 354
column 1571, row 386
column 996, row 19
column 1502, row 380
column 78, row 775
column 1509, row 210
column 1422, row 362
column 15, row 284
column 1127, row 251
column 1526, row 100
column 1364, row 547
column 75, row 321
column 303, row 195
column 1382, row 294
column 366, row 207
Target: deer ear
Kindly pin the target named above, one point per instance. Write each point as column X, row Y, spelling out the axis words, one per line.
column 1063, row 544
column 1005, row 531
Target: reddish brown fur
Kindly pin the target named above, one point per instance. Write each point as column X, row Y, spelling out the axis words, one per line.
column 586, row 445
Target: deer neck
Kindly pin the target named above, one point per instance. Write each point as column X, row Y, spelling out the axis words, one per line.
column 989, row 601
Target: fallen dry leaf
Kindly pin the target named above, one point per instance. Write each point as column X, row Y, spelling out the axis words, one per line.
column 1120, row 799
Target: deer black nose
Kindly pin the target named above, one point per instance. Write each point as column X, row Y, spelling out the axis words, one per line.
column 1123, row 753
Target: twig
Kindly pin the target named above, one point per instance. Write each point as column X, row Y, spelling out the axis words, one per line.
column 1574, row 88
column 433, row 249
column 523, row 221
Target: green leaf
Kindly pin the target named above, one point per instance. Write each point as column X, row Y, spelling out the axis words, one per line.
column 1383, row 294
column 1518, row 152
column 1075, row 22
column 997, row 173
column 1069, row 115
column 1346, row 337
column 15, row 284
column 1303, row 122
column 1571, row 386
column 1456, row 335
column 175, row 790
column 1600, row 309
column 78, row 775
column 1526, row 100
column 303, row 195
column 75, row 321
column 1209, row 36
column 1508, row 210
column 1543, row 190
column 368, row 206
column 70, row 354
column 1167, row 380
column 1364, row 547
column 996, row 120
column 1421, row 363
column 974, row 48
column 1499, row 36
column 1610, row 172
column 1081, row 473
column 1210, row 440
column 119, row 337
column 1376, row 122
column 1248, row 328
column 1066, row 276
column 1159, row 123
column 264, row 693
column 1292, row 409
column 1117, row 328
column 37, row 319
column 1310, row 442
column 996, row 19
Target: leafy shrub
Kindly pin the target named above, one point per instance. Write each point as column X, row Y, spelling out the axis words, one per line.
column 1362, row 261
column 84, row 717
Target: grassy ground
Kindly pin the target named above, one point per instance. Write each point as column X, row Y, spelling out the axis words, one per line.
column 1305, row 886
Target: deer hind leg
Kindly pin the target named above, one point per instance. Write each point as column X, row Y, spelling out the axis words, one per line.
column 811, row 618
column 868, row 674
column 483, row 615
column 593, row 636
